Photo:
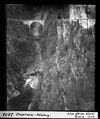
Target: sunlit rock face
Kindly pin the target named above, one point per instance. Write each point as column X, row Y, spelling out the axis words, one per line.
column 58, row 73
column 32, row 81
column 77, row 12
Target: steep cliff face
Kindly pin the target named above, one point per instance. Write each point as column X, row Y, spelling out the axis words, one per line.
column 53, row 71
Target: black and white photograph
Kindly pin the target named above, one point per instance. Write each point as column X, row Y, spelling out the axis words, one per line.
column 50, row 57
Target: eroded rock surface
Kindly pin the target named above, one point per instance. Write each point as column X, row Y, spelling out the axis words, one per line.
column 53, row 71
